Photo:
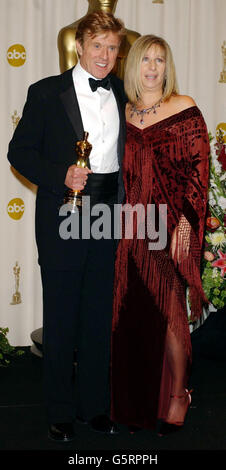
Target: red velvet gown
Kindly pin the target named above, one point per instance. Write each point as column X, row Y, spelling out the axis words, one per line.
column 165, row 163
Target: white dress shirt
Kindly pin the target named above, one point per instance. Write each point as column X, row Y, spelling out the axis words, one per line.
column 100, row 119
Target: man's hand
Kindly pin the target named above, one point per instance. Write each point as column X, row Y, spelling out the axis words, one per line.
column 76, row 177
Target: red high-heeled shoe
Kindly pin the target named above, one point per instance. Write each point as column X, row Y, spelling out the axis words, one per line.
column 133, row 429
column 167, row 427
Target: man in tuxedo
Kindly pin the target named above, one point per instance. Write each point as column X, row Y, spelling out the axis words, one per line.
column 77, row 274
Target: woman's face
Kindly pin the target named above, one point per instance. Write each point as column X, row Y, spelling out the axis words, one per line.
column 153, row 68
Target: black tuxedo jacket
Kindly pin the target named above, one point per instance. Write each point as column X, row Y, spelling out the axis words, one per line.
column 42, row 149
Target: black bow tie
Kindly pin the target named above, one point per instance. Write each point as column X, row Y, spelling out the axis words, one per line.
column 104, row 83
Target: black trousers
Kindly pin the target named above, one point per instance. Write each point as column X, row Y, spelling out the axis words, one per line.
column 77, row 312
column 77, row 306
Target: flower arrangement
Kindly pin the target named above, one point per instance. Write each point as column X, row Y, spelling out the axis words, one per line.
column 214, row 259
column 6, row 350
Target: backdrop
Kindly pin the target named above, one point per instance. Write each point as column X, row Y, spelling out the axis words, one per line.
column 195, row 30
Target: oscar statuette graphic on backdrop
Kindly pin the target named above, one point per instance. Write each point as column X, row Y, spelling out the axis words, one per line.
column 67, row 45
column 16, row 298
column 15, row 119
column 223, row 73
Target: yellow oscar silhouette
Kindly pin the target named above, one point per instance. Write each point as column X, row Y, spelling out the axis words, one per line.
column 67, row 46
column 221, row 132
column 16, row 296
column 223, row 73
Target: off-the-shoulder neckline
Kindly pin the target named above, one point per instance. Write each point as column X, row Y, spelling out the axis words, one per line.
column 161, row 120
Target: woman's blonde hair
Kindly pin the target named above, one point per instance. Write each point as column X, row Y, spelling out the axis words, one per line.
column 132, row 79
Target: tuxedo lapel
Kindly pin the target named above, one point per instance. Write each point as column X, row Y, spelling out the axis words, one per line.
column 70, row 103
column 122, row 130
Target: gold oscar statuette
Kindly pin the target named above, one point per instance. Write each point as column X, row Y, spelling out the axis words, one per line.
column 67, row 45
column 221, row 133
column 16, row 296
column 223, row 73
column 83, row 149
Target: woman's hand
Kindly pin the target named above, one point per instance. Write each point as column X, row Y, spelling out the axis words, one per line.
column 180, row 242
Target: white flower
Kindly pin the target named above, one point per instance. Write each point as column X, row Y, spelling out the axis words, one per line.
column 218, row 167
column 222, row 202
column 213, row 185
column 212, row 146
column 223, row 177
column 214, row 157
column 212, row 201
column 217, row 238
column 215, row 272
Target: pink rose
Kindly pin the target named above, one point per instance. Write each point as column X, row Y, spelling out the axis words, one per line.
column 208, row 256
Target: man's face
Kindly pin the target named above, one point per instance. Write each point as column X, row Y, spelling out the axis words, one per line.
column 98, row 54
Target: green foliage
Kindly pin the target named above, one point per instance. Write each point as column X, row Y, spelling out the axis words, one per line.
column 213, row 273
column 214, row 285
column 6, row 350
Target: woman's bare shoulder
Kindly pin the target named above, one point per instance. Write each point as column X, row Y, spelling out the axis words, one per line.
column 181, row 102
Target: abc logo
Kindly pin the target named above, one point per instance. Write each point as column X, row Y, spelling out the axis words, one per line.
column 15, row 208
column 16, row 55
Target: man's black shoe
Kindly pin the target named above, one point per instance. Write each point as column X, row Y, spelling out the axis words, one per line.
column 81, row 420
column 61, row 432
column 103, row 424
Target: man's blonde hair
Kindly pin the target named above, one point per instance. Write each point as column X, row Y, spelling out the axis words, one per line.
column 99, row 22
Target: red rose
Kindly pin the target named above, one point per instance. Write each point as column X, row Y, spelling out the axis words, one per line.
column 222, row 157
column 208, row 256
column 212, row 223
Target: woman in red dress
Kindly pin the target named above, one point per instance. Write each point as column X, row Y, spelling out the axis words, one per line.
column 165, row 163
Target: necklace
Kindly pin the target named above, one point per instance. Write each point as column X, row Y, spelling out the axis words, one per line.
column 142, row 112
